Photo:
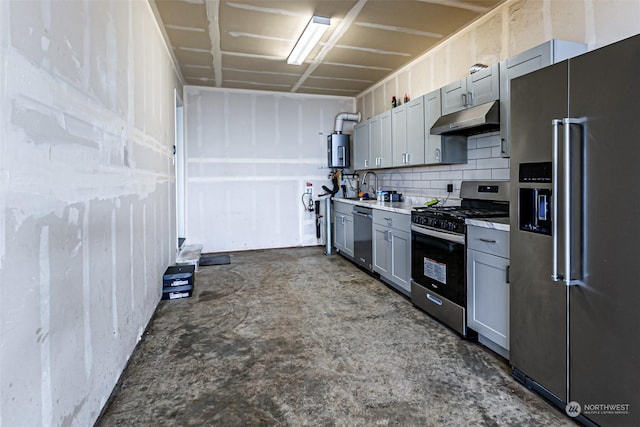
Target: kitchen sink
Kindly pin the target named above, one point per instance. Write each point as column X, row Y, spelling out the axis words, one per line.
column 359, row 198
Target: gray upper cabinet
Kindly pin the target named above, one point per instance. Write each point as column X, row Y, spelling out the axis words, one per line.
column 380, row 140
column 475, row 89
column 454, row 96
column 433, row 143
column 415, row 132
column 399, row 128
column 440, row 149
column 531, row 60
column 408, row 133
column 361, row 158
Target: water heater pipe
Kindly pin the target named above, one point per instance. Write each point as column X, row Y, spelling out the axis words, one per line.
column 327, row 223
column 350, row 117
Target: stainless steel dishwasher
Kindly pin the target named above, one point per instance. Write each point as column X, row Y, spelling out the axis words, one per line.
column 362, row 234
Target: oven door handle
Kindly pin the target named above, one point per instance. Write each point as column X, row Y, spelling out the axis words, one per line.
column 455, row 238
column 434, row 299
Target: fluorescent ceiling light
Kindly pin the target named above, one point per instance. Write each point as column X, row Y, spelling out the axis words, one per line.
column 309, row 38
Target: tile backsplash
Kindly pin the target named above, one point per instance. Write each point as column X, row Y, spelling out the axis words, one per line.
column 484, row 163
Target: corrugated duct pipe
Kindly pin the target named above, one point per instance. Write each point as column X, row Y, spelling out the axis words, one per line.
column 341, row 117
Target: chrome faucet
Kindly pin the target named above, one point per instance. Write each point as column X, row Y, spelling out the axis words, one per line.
column 364, row 181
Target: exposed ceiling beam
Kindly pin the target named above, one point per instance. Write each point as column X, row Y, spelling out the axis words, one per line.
column 270, row 10
column 213, row 16
column 166, row 40
column 395, row 29
column 459, row 5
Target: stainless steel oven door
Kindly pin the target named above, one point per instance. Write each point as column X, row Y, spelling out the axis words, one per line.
column 438, row 262
column 438, row 269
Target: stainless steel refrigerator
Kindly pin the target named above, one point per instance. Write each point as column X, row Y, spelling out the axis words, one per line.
column 575, row 232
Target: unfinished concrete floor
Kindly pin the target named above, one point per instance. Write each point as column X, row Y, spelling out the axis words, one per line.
column 293, row 337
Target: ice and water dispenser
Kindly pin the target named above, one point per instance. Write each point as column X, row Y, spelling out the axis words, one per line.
column 534, row 201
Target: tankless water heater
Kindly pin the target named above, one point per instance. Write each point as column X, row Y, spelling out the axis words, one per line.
column 338, row 150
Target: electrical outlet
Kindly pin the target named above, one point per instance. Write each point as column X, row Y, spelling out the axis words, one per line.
column 449, row 188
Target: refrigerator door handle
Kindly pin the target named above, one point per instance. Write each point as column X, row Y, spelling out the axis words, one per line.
column 567, row 201
column 568, row 208
column 556, row 123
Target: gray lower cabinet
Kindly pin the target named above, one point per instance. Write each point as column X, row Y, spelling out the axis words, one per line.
column 488, row 287
column 392, row 248
column 343, row 228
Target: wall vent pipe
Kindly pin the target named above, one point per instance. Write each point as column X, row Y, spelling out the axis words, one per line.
column 342, row 117
column 327, row 222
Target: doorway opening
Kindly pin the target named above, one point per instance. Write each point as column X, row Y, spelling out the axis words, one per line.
column 179, row 172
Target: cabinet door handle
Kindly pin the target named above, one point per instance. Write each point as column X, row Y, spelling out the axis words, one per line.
column 404, row 158
column 482, row 239
column 366, row 163
column 408, row 158
column 342, row 218
column 508, row 271
column 437, row 155
column 464, row 100
column 470, row 98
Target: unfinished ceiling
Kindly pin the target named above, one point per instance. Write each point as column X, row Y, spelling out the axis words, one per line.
column 245, row 44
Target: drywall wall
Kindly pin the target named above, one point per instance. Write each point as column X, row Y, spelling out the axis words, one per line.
column 249, row 155
column 86, row 204
column 513, row 27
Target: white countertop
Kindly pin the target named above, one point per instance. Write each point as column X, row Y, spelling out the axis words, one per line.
column 399, row 207
column 501, row 224
column 405, row 207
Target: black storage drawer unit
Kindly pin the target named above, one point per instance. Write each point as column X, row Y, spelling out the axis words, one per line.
column 176, row 292
column 178, row 275
column 178, row 281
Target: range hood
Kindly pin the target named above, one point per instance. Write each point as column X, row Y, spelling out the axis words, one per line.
column 471, row 121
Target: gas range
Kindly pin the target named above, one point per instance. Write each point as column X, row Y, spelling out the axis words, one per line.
column 452, row 218
column 438, row 250
column 480, row 199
